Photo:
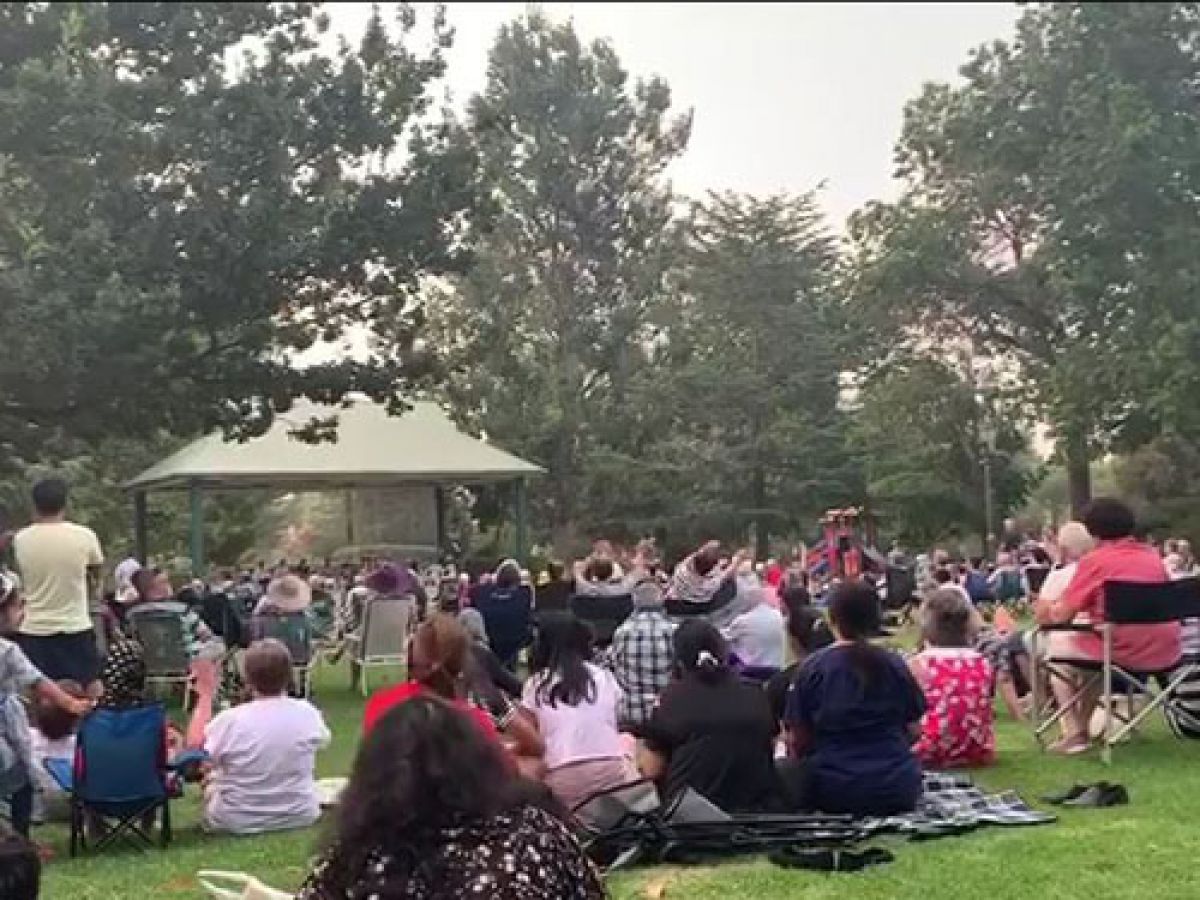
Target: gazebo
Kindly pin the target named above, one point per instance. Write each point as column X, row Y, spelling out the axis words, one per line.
column 373, row 449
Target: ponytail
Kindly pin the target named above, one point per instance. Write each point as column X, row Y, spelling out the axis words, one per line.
column 700, row 649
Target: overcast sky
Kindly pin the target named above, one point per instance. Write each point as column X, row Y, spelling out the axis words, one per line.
column 785, row 96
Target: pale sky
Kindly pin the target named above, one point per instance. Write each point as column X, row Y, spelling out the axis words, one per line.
column 785, row 97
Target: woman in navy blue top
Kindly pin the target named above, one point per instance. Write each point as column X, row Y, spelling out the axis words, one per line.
column 851, row 718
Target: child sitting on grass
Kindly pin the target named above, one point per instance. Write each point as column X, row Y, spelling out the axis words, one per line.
column 17, row 676
column 957, row 729
column 53, row 737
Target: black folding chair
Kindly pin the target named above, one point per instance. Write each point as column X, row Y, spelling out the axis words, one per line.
column 1125, row 603
column 604, row 614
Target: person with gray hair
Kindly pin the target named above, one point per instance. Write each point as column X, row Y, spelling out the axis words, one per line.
column 757, row 637
column 641, row 654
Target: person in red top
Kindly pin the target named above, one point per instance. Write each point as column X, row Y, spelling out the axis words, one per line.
column 1118, row 556
column 437, row 660
column 439, row 663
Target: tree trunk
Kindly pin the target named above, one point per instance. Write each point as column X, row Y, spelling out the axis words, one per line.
column 1079, row 473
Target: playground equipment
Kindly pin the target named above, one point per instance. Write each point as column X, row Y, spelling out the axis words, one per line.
column 846, row 549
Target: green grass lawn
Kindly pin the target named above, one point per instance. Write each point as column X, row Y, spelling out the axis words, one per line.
column 1147, row 849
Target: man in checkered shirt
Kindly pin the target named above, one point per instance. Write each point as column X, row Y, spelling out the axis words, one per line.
column 641, row 655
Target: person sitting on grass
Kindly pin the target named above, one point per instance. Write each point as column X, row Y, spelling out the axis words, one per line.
column 575, row 704
column 18, row 676
column 439, row 663
column 704, row 586
column 263, row 753
column 807, row 633
column 20, row 867
column 433, row 810
column 957, row 729
column 852, row 716
column 711, row 731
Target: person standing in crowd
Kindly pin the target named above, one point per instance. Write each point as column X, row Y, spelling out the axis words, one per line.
column 711, row 731
column 575, row 704
column 433, row 811
column 641, row 655
column 59, row 563
column 957, row 679
column 852, row 716
column 1118, row 556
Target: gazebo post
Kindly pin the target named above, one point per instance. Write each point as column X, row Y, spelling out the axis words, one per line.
column 140, row 541
column 196, row 528
column 439, row 508
column 521, row 550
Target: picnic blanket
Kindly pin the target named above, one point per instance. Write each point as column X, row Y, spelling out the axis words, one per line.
column 629, row 825
column 952, row 804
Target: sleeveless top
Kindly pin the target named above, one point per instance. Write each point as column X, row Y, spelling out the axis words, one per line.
column 957, row 727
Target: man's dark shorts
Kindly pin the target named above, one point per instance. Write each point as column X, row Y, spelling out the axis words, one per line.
column 59, row 656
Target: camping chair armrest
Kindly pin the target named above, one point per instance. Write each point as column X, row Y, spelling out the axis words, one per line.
column 186, row 758
column 1077, row 627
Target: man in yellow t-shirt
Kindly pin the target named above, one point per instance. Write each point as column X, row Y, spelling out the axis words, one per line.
column 59, row 562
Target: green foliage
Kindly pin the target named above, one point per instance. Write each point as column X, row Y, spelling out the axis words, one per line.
column 1050, row 218
column 745, row 386
column 547, row 331
column 919, row 431
column 190, row 196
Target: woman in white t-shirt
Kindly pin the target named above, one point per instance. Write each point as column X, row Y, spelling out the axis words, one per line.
column 575, row 703
column 263, row 753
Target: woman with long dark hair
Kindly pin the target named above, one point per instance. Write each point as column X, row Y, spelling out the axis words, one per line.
column 852, row 715
column 432, row 810
column 711, row 731
column 575, row 703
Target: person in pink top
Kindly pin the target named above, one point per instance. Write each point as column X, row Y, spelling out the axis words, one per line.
column 1118, row 556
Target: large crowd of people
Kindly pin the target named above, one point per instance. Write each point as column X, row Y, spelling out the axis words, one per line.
column 760, row 687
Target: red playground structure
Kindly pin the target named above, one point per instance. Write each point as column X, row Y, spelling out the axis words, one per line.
column 846, row 549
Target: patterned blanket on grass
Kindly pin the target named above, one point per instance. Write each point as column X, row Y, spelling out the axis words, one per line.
column 952, row 804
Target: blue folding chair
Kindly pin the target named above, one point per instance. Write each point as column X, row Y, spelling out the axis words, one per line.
column 119, row 777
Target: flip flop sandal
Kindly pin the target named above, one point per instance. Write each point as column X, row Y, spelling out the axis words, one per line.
column 795, row 857
column 1070, row 793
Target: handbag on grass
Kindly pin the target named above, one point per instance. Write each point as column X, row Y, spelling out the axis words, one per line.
column 237, row 886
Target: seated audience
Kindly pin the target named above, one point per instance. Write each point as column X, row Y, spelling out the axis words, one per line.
column 975, row 583
column 154, row 595
column 439, row 664
column 286, row 595
column 807, row 633
column 756, row 637
column 957, row 728
column 263, row 753
column 711, row 731
column 1007, row 583
column 575, row 704
column 486, row 664
column 555, row 595
column 1118, row 556
column 432, row 810
column 704, row 586
column 20, row 867
column 507, row 609
column 851, row 718
column 642, row 656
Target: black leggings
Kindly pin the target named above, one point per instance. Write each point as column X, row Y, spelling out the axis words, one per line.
column 20, row 810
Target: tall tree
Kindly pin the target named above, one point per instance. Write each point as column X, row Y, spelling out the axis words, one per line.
column 192, row 194
column 553, row 318
column 748, row 367
column 1050, row 217
column 920, row 427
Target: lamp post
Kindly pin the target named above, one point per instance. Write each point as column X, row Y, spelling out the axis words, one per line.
column 987, row 434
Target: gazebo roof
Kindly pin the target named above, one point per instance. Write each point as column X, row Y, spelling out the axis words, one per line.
column 421, row 446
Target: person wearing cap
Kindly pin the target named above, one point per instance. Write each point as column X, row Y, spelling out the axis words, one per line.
column 641, row 654
column 286, row 595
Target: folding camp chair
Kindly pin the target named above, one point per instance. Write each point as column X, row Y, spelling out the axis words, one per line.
column 1125, row 603
column 603, row 614
column 164, row 648
column 119, row 776
column 294, row 631
column 387, row 624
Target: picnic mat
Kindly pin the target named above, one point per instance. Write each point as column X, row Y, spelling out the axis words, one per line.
column 953, row 804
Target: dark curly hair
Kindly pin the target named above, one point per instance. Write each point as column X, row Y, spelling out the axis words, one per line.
column 425, row 767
